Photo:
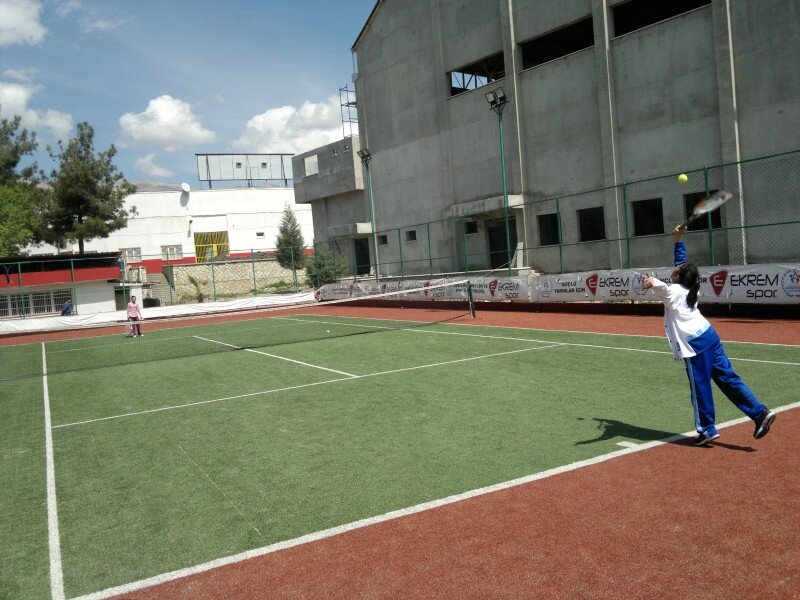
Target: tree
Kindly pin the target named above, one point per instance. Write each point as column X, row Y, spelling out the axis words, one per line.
column 322, row 268
column 20, row 217
column 290, row 241
column 88, row 192
column 14, row 145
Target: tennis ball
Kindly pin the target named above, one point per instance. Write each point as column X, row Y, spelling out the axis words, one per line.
column 328, row 331
column 683, row 178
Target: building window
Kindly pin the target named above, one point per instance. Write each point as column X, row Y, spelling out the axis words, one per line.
column 238, row 165
column 263, row 165
column 471, row 227
column 311, row 165
column 172, row 252
column 383, row 240
column 42, row 303
column 689, row 202
column 592, row 224
column 636, row 14
column 648, row 218
column 411, row 235
column 477, row 74
column 259, row 234
column 557, row 43
column 548, row 229
column 131, row 255
column 15, row 305
column 59, row 297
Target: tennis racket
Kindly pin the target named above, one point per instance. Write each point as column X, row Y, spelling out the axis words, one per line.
column 706, row 205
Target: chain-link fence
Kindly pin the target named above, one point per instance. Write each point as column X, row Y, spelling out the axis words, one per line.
column 615, row 227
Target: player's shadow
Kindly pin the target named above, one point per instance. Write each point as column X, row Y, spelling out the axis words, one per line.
column 611, row 429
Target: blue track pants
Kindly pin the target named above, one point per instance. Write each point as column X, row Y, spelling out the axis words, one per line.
column 713, row 364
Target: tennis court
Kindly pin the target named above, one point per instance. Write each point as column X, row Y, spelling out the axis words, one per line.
column 208, row 440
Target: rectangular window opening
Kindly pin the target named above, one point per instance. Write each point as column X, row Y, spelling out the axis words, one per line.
column 311, row 165
column 592, row 224
column 477, row 74
column 648, row 217
column 383, row 240
column 131, row 255
column 411, row 235
column 173, row 252
column 637, row 14
column 548, row 229
column 558, row 43
column 702, row 223
column 471, row 227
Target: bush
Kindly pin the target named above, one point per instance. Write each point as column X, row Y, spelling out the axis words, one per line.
column 322, row 268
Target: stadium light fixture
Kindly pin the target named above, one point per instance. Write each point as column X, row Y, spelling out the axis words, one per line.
column 365, row 156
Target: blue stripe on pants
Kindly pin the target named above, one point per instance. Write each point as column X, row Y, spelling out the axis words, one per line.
column 713, row 364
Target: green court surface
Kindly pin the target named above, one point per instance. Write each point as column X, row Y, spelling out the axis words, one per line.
column 170, row 463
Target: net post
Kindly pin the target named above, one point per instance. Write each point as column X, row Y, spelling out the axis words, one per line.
column 400, row 248
column 294, row 269
column 470, row 299
column 253, row 265
column 74, row 290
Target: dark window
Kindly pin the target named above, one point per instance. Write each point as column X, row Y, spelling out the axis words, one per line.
column 548, row 229
column 689, row 202
column 411, row 235
column 477, row 74
column 557, row 43
column 636, row 14
column 383, row 240
column 648, row 218
column 471, row 227
column 592, row 224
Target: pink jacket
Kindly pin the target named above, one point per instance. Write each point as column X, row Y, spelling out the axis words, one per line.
column 133, row 310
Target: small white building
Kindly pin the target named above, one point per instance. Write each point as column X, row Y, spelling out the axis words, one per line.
column 197, row 225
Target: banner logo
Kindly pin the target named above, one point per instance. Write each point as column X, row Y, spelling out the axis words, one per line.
column 790, row 283
column 493, row 286
column 545, row 288
column 638, row 285
column 591, row 283
column 718, row 280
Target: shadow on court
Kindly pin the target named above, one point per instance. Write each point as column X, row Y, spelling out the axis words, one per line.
column 611, row 428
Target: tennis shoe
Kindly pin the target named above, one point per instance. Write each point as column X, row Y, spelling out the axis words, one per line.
column 763, row 423
column 704, row 440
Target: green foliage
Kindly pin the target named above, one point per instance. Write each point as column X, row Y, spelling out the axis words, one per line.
column 197, row 283
column 88, row 192
column 14, row 145
column 290, row 241
column 20, row 217
column 322, row 268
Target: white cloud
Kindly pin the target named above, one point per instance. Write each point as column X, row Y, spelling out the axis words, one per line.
column 14, row 99
column 25, row 75
column 147, row 166
column 291, row 129
column 19, row 22
column 100, row 24
column 65, row 8
column 166, row 122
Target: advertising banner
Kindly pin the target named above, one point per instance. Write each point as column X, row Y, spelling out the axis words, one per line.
column 495, row 289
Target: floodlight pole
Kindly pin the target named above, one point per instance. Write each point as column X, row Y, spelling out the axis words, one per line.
column 497, row 103
column 366, row 157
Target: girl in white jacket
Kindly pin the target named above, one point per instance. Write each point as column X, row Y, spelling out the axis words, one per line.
column 694, row 340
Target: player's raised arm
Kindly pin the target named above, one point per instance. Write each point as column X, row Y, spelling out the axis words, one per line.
column 680, row 248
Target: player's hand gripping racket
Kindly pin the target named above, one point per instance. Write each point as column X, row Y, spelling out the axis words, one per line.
column 706, row 205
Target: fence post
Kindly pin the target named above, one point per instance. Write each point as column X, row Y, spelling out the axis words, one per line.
column 400, row 249
column 708, row 219
column 560, row 239
column 171, row 281
column 74, row 289
column 213, row 280
column 627, row 226
column 464, row 236
column 294, row 268
column 430, row 253
column 253, row 264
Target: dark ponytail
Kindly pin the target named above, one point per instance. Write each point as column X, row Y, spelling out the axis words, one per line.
column 689, row 277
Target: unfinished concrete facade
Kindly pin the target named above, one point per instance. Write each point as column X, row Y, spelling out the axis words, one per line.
column 600, row 93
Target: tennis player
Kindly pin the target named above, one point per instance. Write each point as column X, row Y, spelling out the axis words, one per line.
column 134, row 318
column 694, row 340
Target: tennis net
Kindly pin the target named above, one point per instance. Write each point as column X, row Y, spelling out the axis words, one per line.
column 162, row 339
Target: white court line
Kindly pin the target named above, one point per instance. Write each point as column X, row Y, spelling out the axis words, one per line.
column 297, row 387
column 54, row 538
column 517, row 339
column 628, row 444
column 411, row 510
column 291, row 360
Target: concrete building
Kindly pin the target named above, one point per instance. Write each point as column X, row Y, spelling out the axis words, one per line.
column 600, row 92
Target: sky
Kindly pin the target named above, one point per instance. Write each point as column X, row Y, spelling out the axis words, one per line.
column 163, row 80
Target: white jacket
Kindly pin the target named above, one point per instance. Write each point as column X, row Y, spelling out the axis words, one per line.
column 683, row 324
